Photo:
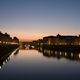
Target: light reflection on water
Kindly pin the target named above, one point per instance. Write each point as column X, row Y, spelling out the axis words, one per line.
column 41, row 65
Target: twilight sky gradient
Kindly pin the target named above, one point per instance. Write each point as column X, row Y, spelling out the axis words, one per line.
column 33, row 19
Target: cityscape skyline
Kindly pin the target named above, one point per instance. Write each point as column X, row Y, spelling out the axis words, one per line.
column 34, row 19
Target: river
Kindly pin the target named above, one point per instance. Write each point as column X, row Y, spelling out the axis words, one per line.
column 36, row 65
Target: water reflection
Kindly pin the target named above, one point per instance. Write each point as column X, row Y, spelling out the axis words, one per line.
column 4, row 61
column 26, row 47
column 16, row 52
column 75, row 56
column 32, row 65
column 5, row 57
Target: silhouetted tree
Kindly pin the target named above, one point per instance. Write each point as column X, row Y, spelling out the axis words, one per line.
column 16, row 40
column 6, row 37
column 58, row 35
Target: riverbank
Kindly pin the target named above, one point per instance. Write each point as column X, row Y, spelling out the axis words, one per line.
column 6, row 50
column 8, row 47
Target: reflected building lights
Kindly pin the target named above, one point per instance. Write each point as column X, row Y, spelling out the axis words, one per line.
column 3, row 63
column 6, row 60
column 0, row 67
column 0, row 41
column 60, row 53
column 71, row 54
column 65, row 54
column 79, row 55
column 55, row 52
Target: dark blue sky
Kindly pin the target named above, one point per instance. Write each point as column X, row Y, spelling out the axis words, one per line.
column 32, row 19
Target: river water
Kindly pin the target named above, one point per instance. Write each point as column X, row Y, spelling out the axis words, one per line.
column 38, row 65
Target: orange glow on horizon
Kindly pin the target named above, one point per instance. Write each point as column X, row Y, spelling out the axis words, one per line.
column 27, row 37
column 30, row 37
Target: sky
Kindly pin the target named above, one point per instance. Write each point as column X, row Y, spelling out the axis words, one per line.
column 34, row 19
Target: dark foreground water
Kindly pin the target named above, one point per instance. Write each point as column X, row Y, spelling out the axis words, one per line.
column 37, row 65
